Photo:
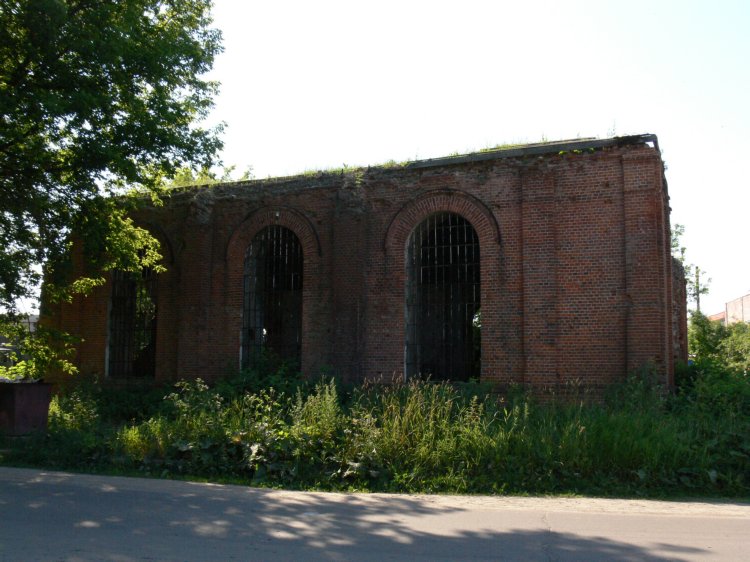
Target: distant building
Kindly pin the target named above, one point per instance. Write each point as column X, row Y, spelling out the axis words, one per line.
column 737, row 310
column 719, row 317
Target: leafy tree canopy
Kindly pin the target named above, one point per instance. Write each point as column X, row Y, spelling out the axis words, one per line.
column 705, row 337
column 95, row 95
column 727, row 346
column 695, row 285
column 736, row 347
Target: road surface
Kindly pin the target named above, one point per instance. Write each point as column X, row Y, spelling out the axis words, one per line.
column 54, row 516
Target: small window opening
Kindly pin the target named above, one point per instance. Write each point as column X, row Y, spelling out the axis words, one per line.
column 272, row 315
column 443, row 320
column 132, row 325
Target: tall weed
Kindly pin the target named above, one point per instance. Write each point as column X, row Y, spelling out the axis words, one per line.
column 419, row 437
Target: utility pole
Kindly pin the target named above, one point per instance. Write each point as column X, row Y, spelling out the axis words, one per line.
column 699, row 288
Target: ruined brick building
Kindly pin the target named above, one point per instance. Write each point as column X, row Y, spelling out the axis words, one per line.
column 535, row 264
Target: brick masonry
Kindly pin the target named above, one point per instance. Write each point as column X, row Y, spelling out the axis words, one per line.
column 577, row 282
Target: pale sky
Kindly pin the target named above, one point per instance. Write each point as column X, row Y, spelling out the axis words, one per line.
column 314, row 85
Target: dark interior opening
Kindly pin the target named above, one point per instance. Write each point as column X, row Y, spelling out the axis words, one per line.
column 132, row 325
column 443, row 340
column 272, row 316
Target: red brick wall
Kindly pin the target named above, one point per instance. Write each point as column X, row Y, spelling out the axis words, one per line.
column 576, row 276
column 679, row 312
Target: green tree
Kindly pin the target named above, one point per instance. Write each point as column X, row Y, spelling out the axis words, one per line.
column 98, row 98
column 725, row 346
column 705, row 337
column 678, row 250
column 696, row 285
column 696, row 282
column 735, row 347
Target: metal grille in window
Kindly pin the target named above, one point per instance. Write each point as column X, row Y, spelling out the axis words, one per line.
column 132, row 324
column 442, row 300
column 272, row 316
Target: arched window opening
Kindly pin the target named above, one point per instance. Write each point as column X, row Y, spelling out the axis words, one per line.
column 272, row 314
column 132, row 325
column 442, row 299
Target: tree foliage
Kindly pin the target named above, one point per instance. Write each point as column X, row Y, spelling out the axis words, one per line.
column 705, row 337
column 696, row 285
column 736, row 347
column 97, row 98
column 187, row 176
column 725, row 346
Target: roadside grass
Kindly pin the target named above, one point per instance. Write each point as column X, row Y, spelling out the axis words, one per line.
column 278, row 430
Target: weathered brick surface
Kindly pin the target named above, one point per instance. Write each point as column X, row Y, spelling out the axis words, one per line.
column 576, row 275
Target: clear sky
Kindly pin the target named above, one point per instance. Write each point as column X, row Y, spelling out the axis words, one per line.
column 313, row 85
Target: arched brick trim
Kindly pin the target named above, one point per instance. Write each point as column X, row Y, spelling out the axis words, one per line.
column 267, row 216
column 414, row 212
column 311, row 276
column 492, row 290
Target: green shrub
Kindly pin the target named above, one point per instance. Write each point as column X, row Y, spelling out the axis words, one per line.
column 267, row 370
column 735, row 348
column 417, row 437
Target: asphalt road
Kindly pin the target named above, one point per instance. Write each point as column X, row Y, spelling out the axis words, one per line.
column 58, row 516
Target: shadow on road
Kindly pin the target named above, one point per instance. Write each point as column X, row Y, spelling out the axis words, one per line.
column 120, row 519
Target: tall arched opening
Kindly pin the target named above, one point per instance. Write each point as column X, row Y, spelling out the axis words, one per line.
column 131, row 349
column 272, row 310
column 443, row 340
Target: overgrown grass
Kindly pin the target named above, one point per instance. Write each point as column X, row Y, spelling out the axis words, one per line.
column 415, row 437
